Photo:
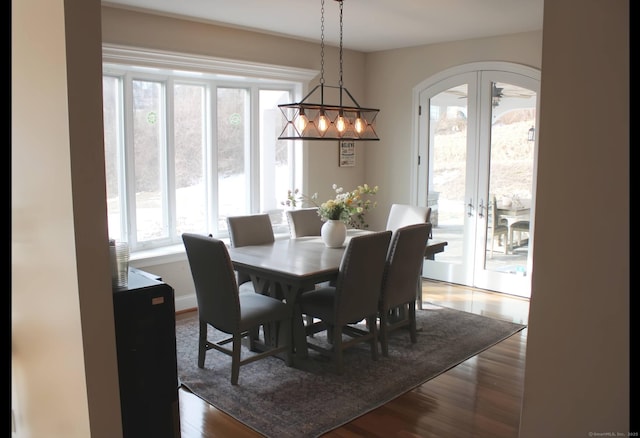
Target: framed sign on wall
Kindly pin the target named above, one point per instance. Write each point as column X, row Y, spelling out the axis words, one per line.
column 347, row 153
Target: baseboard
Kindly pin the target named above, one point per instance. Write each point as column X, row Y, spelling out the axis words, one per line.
column 185, row 303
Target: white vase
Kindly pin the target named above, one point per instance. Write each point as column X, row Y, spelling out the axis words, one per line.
column 333, row 233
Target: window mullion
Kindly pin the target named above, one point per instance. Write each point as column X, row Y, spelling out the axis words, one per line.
column 129, row 164
column 169, row 161
column 210, row 161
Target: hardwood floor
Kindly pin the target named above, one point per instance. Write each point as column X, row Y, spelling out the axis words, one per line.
column 481, row 397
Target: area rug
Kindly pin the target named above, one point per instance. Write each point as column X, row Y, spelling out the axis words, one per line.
column 309, row 400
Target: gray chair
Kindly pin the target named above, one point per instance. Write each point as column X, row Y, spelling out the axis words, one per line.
column 253, row 229
column 401, row 215
column 354, row 298
column 304, row 222
column 404, row 265
column 519, row 227
column 497, row 229
column 221, row 306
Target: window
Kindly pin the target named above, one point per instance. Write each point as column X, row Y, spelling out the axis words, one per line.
column 188, row 143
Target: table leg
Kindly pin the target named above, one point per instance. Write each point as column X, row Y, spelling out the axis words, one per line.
column 298, row 334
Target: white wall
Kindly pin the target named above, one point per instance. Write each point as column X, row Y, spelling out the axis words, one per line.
column 577, row 364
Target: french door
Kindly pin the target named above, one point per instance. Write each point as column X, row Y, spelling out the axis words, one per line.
column 477, row 149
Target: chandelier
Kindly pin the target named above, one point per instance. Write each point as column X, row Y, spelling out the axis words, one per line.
column 322, row 121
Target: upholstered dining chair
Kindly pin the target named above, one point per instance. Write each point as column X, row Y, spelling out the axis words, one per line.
column 497, row 229
column 404, row 265
column 354, row 298
column 401, row 215
column 221, row 306
column 304, row 222
column 253, row 229
column 519, row 227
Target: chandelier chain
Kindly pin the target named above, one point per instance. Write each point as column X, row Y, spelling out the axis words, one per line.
column 322, row 42
column 340, row 83
column 306, row 120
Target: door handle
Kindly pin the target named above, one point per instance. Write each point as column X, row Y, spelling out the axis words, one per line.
column 481, row 209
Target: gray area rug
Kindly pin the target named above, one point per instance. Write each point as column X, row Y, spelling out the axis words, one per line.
column 280, row 402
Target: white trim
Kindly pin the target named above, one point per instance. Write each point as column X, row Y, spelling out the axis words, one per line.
column 116, row 54
column 508, row 67
column 186, row 302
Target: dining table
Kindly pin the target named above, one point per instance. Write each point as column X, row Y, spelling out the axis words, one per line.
column 514, row 211
column 286, row 268
column 289, row 266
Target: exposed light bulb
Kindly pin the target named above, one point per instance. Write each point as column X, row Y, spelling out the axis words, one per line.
column 359, row 124
column 341, row 124
column 301, row 122
column 323, row 122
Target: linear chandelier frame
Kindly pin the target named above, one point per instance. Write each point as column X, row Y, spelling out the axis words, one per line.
column 321, row 121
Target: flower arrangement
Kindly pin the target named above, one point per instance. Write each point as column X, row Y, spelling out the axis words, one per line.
column 348, row 207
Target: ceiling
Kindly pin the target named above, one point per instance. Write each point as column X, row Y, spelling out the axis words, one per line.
column 368, row 25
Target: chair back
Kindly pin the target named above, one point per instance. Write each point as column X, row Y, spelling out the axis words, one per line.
column 304, row 222
column 360, row 277
column 253, row 229
column 404, row 265
column 494, row 222
column 401, row 215
column 214, row 280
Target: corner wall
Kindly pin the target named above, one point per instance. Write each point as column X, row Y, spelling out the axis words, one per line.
column 577, row 367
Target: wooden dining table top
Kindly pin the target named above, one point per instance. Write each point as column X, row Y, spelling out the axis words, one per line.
column 297, row 261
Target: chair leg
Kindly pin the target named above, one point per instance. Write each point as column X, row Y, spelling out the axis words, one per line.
column 330, row 333
column 492, row 242
column 373, row 330
column 384, row 334
column 202, row 344
column 286, row 337
column 412, row 322
column 419, row 291
column 254, row 335
column 235, row 358
column 506, row 243
column 337, row 349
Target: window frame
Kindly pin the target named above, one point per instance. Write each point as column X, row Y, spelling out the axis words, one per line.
column 169, row 69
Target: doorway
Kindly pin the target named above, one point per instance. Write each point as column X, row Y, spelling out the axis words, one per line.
column 477, row 133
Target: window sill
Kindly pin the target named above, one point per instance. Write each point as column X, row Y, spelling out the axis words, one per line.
column 169, row 254
column 158, row 256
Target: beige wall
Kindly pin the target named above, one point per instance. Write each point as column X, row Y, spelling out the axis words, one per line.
column 64, row 374
column 577, row 366
column 577, row 354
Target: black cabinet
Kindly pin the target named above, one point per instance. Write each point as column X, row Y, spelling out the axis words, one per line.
column 144, row 314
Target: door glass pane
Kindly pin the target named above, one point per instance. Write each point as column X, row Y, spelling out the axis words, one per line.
column 149, row 141
column 232, row 141
column 447, row 169
column 190, row 141
column 512, row 145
